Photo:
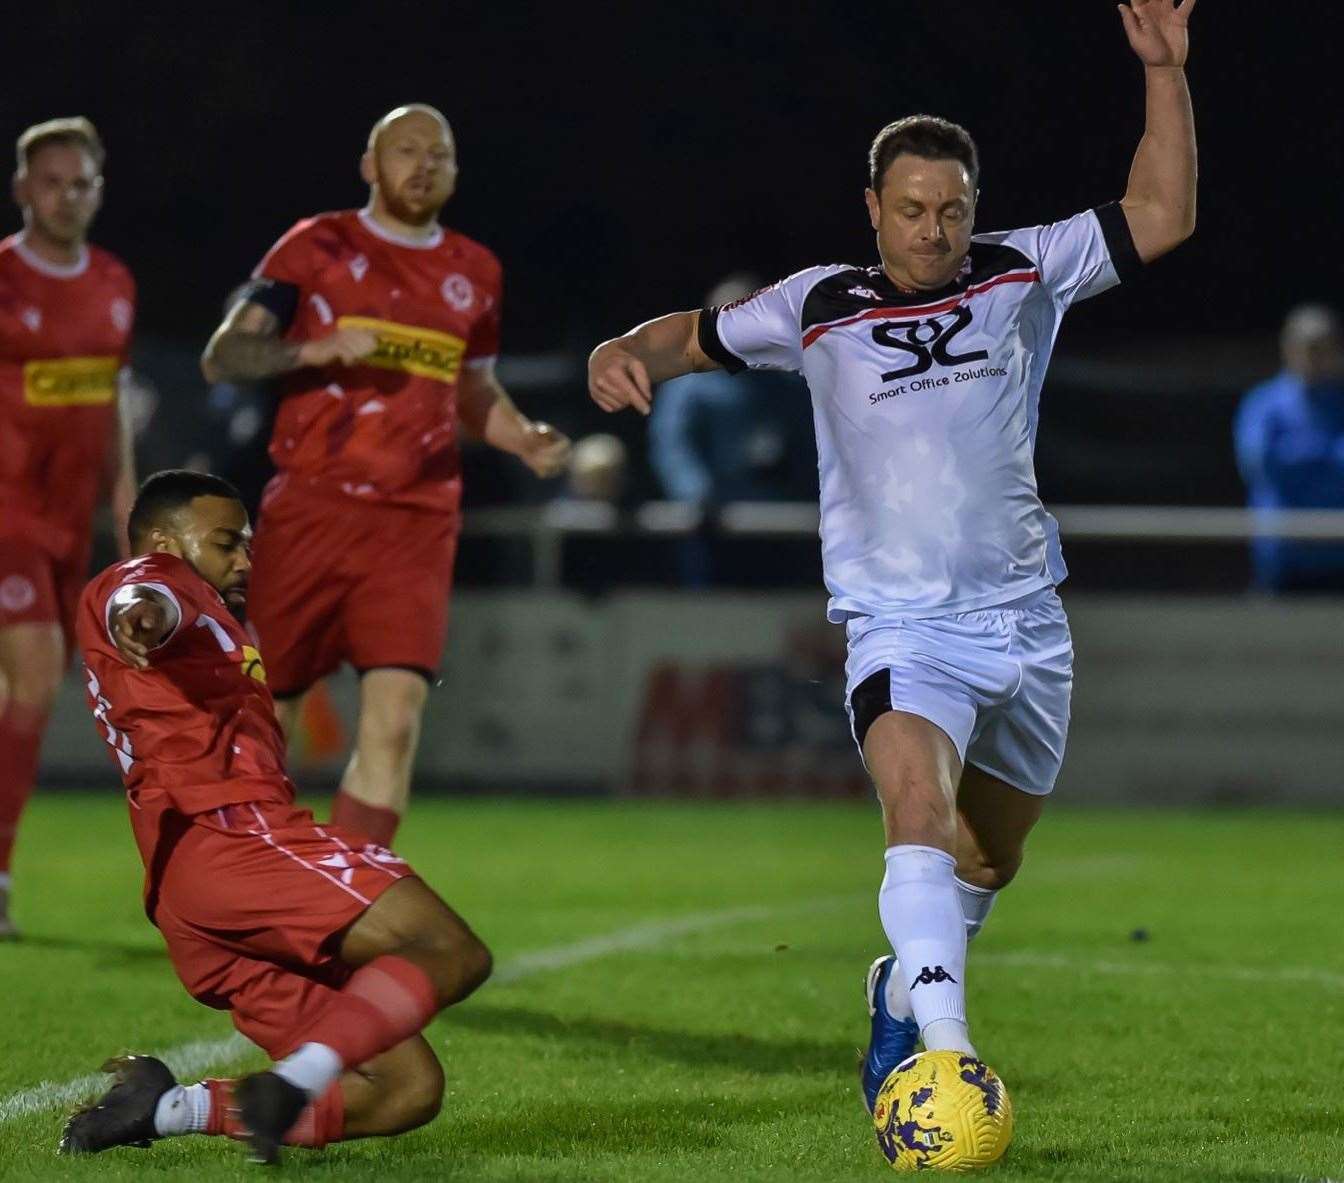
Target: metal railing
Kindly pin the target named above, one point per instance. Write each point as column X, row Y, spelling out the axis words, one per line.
column 548, row 526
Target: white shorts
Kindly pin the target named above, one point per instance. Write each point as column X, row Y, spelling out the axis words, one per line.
column 996, row 681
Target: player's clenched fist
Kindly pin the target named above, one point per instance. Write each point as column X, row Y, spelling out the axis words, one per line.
column 139, row 620
column 547, row 451
column 344, row 347
column 618, row 379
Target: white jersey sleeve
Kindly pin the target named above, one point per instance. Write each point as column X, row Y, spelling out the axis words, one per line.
column 762, row 331
column 1081, row 256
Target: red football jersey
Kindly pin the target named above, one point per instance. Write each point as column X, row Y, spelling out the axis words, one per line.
column 386, row 429
column 65, row 332
column 197, row 729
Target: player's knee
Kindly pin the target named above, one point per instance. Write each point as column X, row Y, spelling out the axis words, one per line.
column 989, row 872
column 457, row 960
column 478, row 964
column 420, row 1094
column 394, row 728
column 467, row 964
column 34, row 691
column 917, row 811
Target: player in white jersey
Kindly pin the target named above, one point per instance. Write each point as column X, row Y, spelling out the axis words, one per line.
column 925, row 373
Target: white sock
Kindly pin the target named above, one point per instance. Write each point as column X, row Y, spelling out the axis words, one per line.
column 975, row 905
column 924, row 923
column 312, row 1068
column 183, row 1109
column 897, row 996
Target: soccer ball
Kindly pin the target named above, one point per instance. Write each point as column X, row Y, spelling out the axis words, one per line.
column 943, row 1111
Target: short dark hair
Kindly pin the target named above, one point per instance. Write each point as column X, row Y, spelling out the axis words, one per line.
column 75, row 131
column 926, row 136
column 168, row 490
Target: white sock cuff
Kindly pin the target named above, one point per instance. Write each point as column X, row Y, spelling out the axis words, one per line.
column 912, row 848
column 183, row 1110
column 962, row 885
column 976, row 903
column 923, row 863
column 312, row 1068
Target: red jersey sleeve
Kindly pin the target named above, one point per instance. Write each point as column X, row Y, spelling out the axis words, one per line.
column 162, row 573
column 286, row 271
column 483, row 343
column 126, row 311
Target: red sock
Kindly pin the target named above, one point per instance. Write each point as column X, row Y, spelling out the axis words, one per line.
column 383, row 1003
column 223, row 1119
column 320, row 1123
column 372, row 822
column 21, row 729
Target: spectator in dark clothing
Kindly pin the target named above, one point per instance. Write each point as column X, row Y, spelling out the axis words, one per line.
column 1290, row 449
column 716, row 438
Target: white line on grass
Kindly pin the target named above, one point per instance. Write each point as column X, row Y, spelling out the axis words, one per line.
column 1226, row 973
column 192, row 1059
column 189, row 1059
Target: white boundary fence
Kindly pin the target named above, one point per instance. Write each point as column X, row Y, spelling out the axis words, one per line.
column 548, row 526
column 1179, row 699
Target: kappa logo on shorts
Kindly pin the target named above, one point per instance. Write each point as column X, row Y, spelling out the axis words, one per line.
column 412, row 350
column 927, row 977
column 17, row 593
column 70, row 381
column 457, row 291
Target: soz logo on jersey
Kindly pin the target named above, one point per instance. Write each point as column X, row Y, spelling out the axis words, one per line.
column 927, row 341
column 457, row 292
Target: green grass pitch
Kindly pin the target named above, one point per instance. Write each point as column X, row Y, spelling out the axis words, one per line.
column 678, row 996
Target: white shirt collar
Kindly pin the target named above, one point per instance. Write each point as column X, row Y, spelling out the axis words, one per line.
column 55, row 270
column 372, row 225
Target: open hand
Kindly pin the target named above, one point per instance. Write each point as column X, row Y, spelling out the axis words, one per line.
column 1157, row 30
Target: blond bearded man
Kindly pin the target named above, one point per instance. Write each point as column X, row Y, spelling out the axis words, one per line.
column 66, row 313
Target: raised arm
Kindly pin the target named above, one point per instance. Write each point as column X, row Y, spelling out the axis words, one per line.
column 248, row 347
column 139, row 619
column 1159, row 203
column 623, row 371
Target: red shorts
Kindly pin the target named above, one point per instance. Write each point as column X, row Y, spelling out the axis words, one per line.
column 38, row 588
column 252, row 903
column 337, row 582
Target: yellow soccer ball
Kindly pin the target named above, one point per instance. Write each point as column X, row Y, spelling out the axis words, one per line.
column 943, row 1111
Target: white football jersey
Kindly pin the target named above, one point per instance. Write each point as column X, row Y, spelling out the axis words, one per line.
column 925, row 406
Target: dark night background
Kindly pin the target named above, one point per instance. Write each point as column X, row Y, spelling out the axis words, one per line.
column 620, row 159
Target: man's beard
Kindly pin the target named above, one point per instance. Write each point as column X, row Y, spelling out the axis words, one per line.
column 403, row 211
column 62, row 233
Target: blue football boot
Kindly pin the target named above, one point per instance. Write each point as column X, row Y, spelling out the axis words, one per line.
column 893, row 1038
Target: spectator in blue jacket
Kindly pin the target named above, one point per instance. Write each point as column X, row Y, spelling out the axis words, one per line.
column 1290, row 449
column 716, row 438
